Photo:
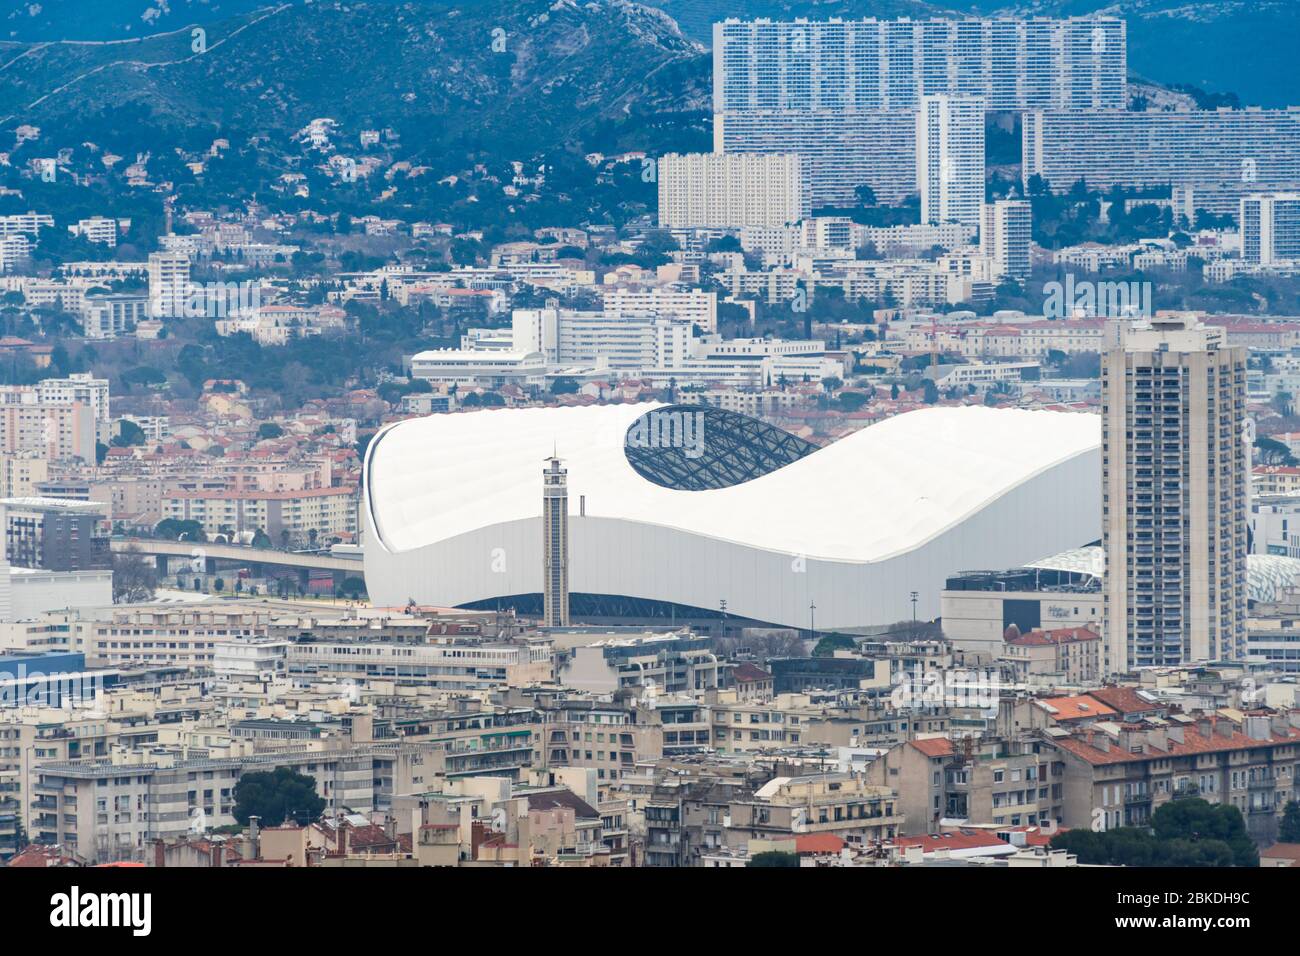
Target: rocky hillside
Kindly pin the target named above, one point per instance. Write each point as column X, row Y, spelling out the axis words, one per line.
column 516, row 72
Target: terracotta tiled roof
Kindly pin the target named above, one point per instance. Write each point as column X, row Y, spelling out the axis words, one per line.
column 1081, row 707
column 749, row 672
column 1283, row 851
column 1062, row 635
column 818, row 843
column 1125, row 700
column 1193, row 743
column 551, row 799
column 37, row 855
column 952, row 840
column 934, row 746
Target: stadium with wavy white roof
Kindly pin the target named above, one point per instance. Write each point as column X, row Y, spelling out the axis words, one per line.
column 681, row 511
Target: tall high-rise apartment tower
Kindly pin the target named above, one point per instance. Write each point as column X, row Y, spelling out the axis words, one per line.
column 555, row 544
column 169, row 283
column 950, row 159
column 1175, row 480
column 1006, row 236
column 1270, row 228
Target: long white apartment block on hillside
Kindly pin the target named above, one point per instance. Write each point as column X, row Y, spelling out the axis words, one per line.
column 869, row 64
column 844, row 148
column 1186, row 148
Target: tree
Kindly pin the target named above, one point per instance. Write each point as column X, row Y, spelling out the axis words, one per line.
column 1270, row 451
column 763, row 645
column 1186, row 832
column 269, row 430
column 865, row 195
column 219, row 585
column 774, row 858
column 1193, row 818
column 1289, row 831
column 128, row 433
column 353, row 587
column 563, row 385
column 173, row 530
column 853, row 401
column 276, row 796
column 830, row 643
column 134, row 578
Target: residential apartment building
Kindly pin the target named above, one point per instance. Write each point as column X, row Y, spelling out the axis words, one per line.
column 1006, row 229
column 1066, row 655
column 1175, row 488
column 169, row 284
column 79, row 388
column 97, row 229
column 444, row 664
column 14, row 250
column 696, row 307
column 847, row 805
column 1270, row 228
column 306, row 515
column 844, row 93
column 754, row 726
column 159, row 634
column 732, row 190
column 843, row 149
column 28, row 223
column 1013, row 63
column 1118, row 775
column 975, row 781
column 110, row 810
column 604, row 736
column 950, row 158
column 20, row 473
column 55, row 432
column 54, row 535
column 1193, row 148
column 668, row 663
column 112, row 316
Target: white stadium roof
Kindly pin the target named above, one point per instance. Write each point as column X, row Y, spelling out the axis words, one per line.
column 1268, row 576
column 435, row 486
column 879, row 491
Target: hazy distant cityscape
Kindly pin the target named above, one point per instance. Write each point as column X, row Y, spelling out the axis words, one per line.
column 544, row 435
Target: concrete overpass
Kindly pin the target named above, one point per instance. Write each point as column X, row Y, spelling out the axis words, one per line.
column 208, row 555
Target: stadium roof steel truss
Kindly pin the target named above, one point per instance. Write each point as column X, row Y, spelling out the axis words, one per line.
column 699, row 447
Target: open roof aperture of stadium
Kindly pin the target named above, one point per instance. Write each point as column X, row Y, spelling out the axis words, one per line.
column 690, row 507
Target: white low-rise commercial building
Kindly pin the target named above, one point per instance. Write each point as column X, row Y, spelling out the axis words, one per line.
column 490, row 368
